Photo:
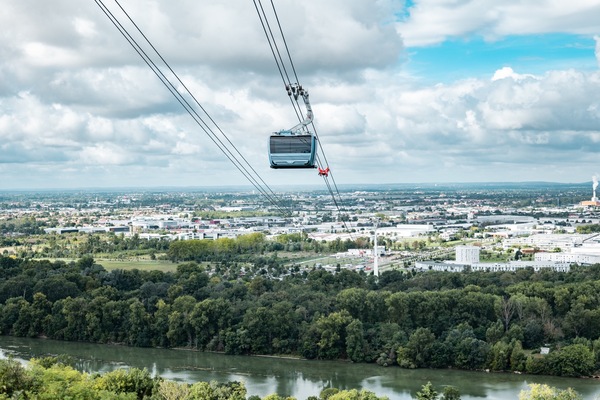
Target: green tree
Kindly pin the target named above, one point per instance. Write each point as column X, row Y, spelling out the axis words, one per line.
column 134, row 380
column 517, row 357
column 217, row 391
column 545, row 392
column 13, row 377
column 472, row 353
column 327, row 393
column 139, row 330
column 355, row 341
column 170, row 390
column 56, row 288
column 574, row 360
column 450, row 393
column 41, row 310
column 260, row 324
column 399, row 311
column 22, row 325
column 332, row 334
column 74, row 311
column 418, row 350
column 353, row 300
column 499, row 358
column 64, row 382
column 209, row 318
column 181, row 331
column 355, row 395
column 495, row 332
column 427, row 392
column 160, row 326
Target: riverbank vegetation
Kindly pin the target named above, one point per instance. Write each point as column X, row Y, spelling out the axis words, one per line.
column 54, row 378
column 51, row 378
column 471, row 320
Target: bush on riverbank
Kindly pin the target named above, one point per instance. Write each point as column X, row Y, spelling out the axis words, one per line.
column 50, row 379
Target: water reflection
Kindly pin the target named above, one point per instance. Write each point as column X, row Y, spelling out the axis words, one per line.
column 287, row 377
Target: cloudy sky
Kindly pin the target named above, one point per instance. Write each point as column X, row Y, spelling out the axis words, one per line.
column 402, row 92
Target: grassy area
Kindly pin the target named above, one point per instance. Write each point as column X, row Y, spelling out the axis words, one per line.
column 331, row 260
column 140, row 263
column 160, row 265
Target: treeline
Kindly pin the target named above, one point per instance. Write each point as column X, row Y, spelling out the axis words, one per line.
column 475, row 320
column 586, row 229
column 22, row 226
column 255, row 243
column 51, row 378
column 77, row 245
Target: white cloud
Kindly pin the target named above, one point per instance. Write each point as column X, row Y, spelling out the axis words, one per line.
column 101, row 128
column 85, row 28
column 507, row 72
column 77, row 105
column 104, row 154
column 433, row 21
column 597, row 49
column 185, row 148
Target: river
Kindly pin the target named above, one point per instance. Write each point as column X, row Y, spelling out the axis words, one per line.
column 290, row 377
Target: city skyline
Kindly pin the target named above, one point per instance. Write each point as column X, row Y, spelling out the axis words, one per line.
column 422, row 91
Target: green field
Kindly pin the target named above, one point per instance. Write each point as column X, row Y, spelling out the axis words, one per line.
column 129, row 264
column 160, row 265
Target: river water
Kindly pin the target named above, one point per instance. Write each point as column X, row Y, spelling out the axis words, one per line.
column 299, row 378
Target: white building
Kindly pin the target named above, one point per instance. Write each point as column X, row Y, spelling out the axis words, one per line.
column 548, row 241
column 512, row 266
column 405, row 230
column 572, row 258
column 467, row 254
column 358, row 253
column 439, row 266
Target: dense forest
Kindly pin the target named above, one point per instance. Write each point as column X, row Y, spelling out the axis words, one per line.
column 495, row 321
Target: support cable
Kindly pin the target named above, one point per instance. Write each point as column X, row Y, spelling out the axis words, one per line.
column 195, row 100
column 321, row 163
column 263, row 188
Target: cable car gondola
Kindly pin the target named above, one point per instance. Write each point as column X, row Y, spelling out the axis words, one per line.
column 292, row 151
column 295, row 147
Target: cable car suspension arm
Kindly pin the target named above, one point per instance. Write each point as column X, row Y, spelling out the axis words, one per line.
column 296, row 90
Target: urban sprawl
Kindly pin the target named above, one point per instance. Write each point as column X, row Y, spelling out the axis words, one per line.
column 423, row 227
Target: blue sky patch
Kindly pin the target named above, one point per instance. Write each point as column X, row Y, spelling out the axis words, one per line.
column 531, row 54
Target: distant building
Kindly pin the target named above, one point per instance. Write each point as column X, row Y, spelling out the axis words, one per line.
column 574, row 258
column 468, row 257
column 88, row 229
column 594, row 201
column 380, row 250
column 406, row 230
column 439, row 266
column 61, row 230
column 359, row 253
column 467, row 254
column 548, row 241
column 512, row 266
column 590, row 203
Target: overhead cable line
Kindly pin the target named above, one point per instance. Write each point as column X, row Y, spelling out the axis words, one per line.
column 228, row 150
column 264, row 20
column 322, row 163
